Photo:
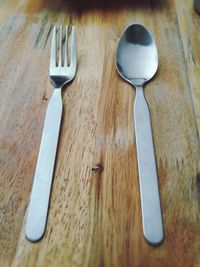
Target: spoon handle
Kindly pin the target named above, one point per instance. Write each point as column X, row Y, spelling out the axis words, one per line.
column 149, row 191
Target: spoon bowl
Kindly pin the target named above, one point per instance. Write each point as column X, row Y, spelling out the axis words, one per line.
column 136, row 57
column 137, row 63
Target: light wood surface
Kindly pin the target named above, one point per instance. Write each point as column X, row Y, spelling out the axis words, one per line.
column 94, row 216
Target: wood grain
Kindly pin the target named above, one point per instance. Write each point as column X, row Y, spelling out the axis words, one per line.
column 94, row 216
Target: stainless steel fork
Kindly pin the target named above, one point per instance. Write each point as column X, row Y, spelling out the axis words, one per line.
column 61, row 72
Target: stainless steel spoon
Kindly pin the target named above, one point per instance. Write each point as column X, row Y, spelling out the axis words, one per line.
column 137, row 63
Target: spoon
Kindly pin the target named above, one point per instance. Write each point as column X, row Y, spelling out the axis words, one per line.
column 137, row 63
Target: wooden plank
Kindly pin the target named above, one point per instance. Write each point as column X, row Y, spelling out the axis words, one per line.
column 95, row 216
column 189, row 24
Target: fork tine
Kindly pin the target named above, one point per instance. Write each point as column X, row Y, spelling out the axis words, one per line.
column 66, row 47
column 73, row 59
column 53, row 49
column 60, row 49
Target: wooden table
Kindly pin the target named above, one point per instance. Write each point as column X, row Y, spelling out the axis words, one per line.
column 95, row 217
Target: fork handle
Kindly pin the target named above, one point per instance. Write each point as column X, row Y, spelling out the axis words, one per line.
column 149, row 191
column 38, row 208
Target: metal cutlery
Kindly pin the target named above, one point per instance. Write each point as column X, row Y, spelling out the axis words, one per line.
column 137, row 63
column 61, row 72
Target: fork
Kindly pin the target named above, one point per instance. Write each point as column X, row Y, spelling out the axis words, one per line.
column 61, row 72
